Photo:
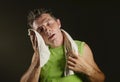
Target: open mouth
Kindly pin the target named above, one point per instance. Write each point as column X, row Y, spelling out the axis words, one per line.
column 51, row 36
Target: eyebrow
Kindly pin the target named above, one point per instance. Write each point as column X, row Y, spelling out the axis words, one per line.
column 44, row 21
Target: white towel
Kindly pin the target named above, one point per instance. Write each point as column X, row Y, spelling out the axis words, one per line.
column 44, row 52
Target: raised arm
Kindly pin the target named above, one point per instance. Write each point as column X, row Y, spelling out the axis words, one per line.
column 33, row 72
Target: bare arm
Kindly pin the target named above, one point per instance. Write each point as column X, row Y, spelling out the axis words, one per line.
column 32, row 74
column 86, row 64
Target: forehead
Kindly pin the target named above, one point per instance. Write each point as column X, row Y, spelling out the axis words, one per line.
column 43, row 18
column 40, row 20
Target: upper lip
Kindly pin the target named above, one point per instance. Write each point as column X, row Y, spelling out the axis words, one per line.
column 51, row 36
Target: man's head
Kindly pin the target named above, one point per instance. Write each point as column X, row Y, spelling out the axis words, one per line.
column 47, row 25
column 33, row 15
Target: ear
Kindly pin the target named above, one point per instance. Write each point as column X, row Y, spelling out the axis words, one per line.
column 59, row 23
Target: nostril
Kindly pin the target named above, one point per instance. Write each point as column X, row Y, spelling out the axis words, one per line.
column 48, row 30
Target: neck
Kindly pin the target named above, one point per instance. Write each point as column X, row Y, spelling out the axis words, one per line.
column 58, row 42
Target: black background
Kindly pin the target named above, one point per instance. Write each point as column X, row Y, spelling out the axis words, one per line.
column 95, row 22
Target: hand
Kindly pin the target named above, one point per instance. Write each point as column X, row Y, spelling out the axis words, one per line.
column 33, row 40
column 85, row 64
column 77, row 63
column 35, row 60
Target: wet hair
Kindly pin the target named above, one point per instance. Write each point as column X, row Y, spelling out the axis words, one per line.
column 36, row 13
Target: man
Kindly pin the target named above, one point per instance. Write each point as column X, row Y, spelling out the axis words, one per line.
column 82, row 64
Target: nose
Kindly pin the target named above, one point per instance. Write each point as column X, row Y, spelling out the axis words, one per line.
column 47, row 30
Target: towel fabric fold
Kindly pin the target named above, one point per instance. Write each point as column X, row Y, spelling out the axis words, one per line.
column 43, row 50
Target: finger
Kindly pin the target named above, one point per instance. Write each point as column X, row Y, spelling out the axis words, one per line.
column 71, row 64
column 73, row 54
column 35, row 44
column 71, row 68
column 72, row 59
column 35, row 40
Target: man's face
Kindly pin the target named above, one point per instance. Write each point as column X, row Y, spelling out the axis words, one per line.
column 48, row 27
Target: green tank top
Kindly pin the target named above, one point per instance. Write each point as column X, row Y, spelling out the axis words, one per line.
column 53, row 70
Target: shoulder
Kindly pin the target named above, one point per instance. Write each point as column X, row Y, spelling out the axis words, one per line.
column 78, row 42
column 83, row 47
column 84, row 50
column 80, row 45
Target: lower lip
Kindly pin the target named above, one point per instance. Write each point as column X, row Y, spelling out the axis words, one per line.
column 52, row 37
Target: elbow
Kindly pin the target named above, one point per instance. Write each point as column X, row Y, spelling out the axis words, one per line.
column 103, row 77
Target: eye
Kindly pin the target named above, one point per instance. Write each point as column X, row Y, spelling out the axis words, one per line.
column 40, row 29
column 50, row 22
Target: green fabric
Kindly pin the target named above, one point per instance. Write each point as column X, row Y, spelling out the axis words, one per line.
column 53, row 70
column 80, row 46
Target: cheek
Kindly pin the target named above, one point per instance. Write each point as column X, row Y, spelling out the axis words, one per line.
column 55, row 26
column 58, row 30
